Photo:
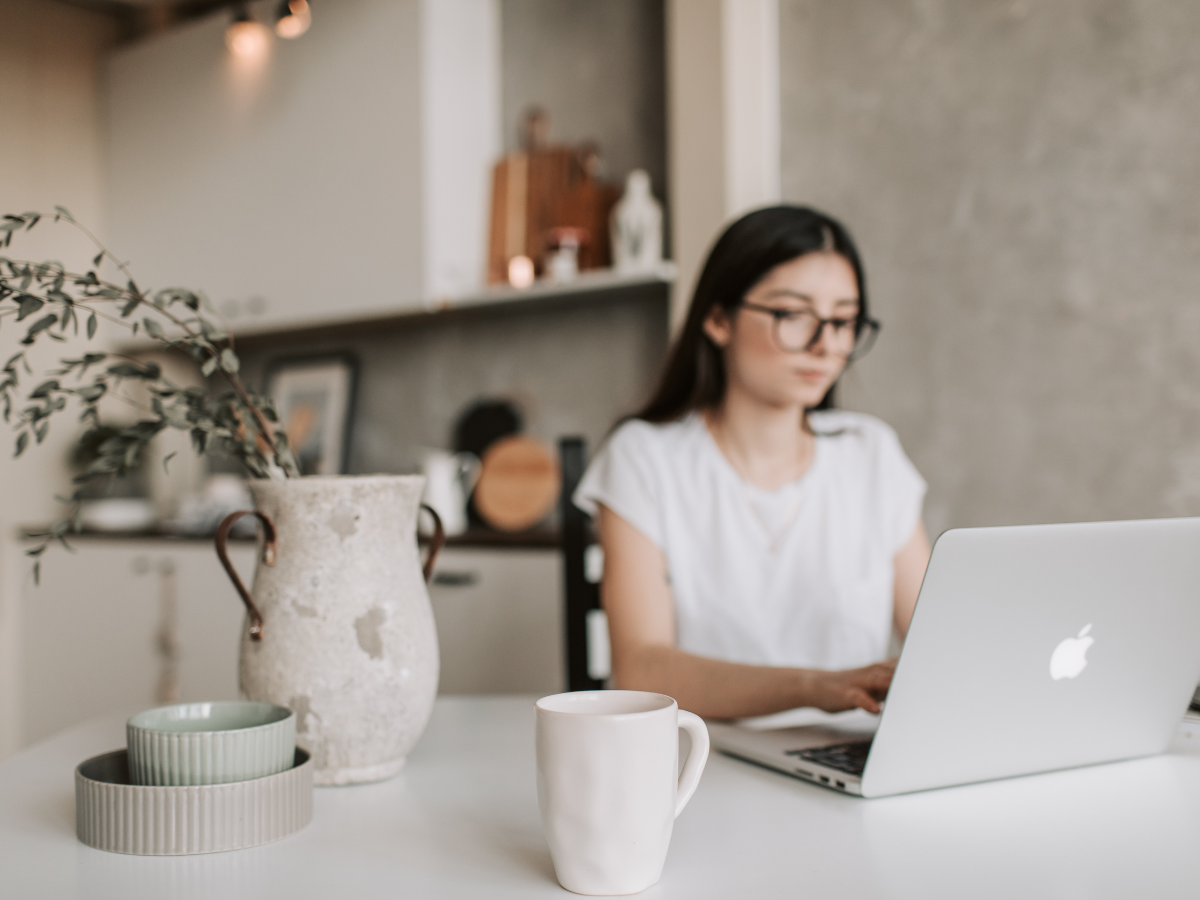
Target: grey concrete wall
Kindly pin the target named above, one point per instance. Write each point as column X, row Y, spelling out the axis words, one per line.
column 1024, row 181
column 598, row 69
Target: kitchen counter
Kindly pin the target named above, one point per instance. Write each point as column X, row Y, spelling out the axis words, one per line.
column 472, row 538
column 462, row 821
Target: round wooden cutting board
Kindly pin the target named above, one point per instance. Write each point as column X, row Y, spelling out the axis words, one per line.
column 518, row 483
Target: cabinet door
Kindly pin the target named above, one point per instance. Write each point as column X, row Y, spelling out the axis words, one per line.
column 118, row 625
column 231, row 182
column 87, row 638
column 210, row 619
column 499, row 621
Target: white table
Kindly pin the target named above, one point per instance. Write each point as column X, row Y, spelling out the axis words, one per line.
column 462, row 821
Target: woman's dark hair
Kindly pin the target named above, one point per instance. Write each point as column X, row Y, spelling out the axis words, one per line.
column 694, row 377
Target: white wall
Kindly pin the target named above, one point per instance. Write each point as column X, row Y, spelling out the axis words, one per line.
column 51, row 154
column 750, row 70
column 460, row 138
column 695, row 138
column 723, row 123
column 295, row 181
column 346, row 173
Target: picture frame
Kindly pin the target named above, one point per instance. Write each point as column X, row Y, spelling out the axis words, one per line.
column 314, row 397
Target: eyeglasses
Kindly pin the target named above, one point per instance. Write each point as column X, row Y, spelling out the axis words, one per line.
column 797, row 330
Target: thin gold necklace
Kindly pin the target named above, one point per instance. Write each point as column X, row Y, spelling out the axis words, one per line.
column 773, row 535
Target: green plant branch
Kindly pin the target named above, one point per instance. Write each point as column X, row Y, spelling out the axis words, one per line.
column 53, row 299
column 131, row 294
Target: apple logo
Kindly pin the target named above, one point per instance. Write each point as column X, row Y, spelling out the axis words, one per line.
column 1070, row 656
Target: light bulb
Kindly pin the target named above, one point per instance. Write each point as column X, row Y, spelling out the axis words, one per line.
column 520, row 272
column 294, row 18
column 246, row 38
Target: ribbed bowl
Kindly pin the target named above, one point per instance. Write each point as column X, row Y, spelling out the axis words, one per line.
column 210, row 743
column 114, row 815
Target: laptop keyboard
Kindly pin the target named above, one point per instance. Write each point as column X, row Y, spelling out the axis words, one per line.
column 850, row 758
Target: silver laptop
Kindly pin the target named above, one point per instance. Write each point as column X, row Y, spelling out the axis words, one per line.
column 1032, row 648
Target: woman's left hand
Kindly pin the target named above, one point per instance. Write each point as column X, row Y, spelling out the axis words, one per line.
column 863, row 688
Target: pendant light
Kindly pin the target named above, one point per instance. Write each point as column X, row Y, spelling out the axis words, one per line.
column 246, row 38
column 294, row 18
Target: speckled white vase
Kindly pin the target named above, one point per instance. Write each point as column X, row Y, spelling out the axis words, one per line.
column 347, row 637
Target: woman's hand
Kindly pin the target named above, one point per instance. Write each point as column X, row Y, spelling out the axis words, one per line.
column 861, row 688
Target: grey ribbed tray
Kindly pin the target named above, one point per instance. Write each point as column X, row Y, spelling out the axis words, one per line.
column 115, row 815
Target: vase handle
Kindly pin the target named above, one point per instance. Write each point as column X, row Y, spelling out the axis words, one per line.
column 268, row 559
column 435, row 543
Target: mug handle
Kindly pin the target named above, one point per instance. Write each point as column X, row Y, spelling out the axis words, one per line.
column 435, row 543
column 689, row 778
column 470, row 466
column 268, row 559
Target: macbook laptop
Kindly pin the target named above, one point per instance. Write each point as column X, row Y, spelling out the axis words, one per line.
column 1032, row 648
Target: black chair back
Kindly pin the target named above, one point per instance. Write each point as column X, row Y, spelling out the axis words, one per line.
column 581, row 595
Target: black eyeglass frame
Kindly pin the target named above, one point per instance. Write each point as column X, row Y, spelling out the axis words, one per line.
column 862, row 324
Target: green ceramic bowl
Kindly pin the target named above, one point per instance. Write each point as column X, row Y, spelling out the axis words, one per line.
column 210, row 743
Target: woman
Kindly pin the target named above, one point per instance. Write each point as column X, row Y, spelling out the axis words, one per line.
column 760, row 546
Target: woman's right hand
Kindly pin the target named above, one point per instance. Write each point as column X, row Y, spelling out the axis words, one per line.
column 861, row 688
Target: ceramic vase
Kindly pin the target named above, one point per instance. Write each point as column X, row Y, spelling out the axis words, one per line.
column 636, row 227
column 339, row 625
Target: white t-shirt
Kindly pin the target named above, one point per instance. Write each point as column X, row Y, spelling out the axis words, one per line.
column 822, row 597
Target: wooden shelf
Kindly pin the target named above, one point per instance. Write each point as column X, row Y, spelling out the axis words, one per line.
column 588, row 286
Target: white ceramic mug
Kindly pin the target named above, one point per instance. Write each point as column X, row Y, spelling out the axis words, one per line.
column 449, row 480
column 609, row 786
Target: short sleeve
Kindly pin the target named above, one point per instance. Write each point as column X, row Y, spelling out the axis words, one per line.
column 902, row 489
column 621, row 477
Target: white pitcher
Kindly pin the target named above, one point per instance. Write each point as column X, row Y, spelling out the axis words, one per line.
column 338, row 624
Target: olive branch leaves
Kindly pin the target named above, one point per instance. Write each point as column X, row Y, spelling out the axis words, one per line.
column 52, row 302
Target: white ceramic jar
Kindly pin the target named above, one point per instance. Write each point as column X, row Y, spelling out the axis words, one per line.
column 347, row 633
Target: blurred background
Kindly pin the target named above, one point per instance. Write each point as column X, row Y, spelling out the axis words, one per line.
column 402, row 209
